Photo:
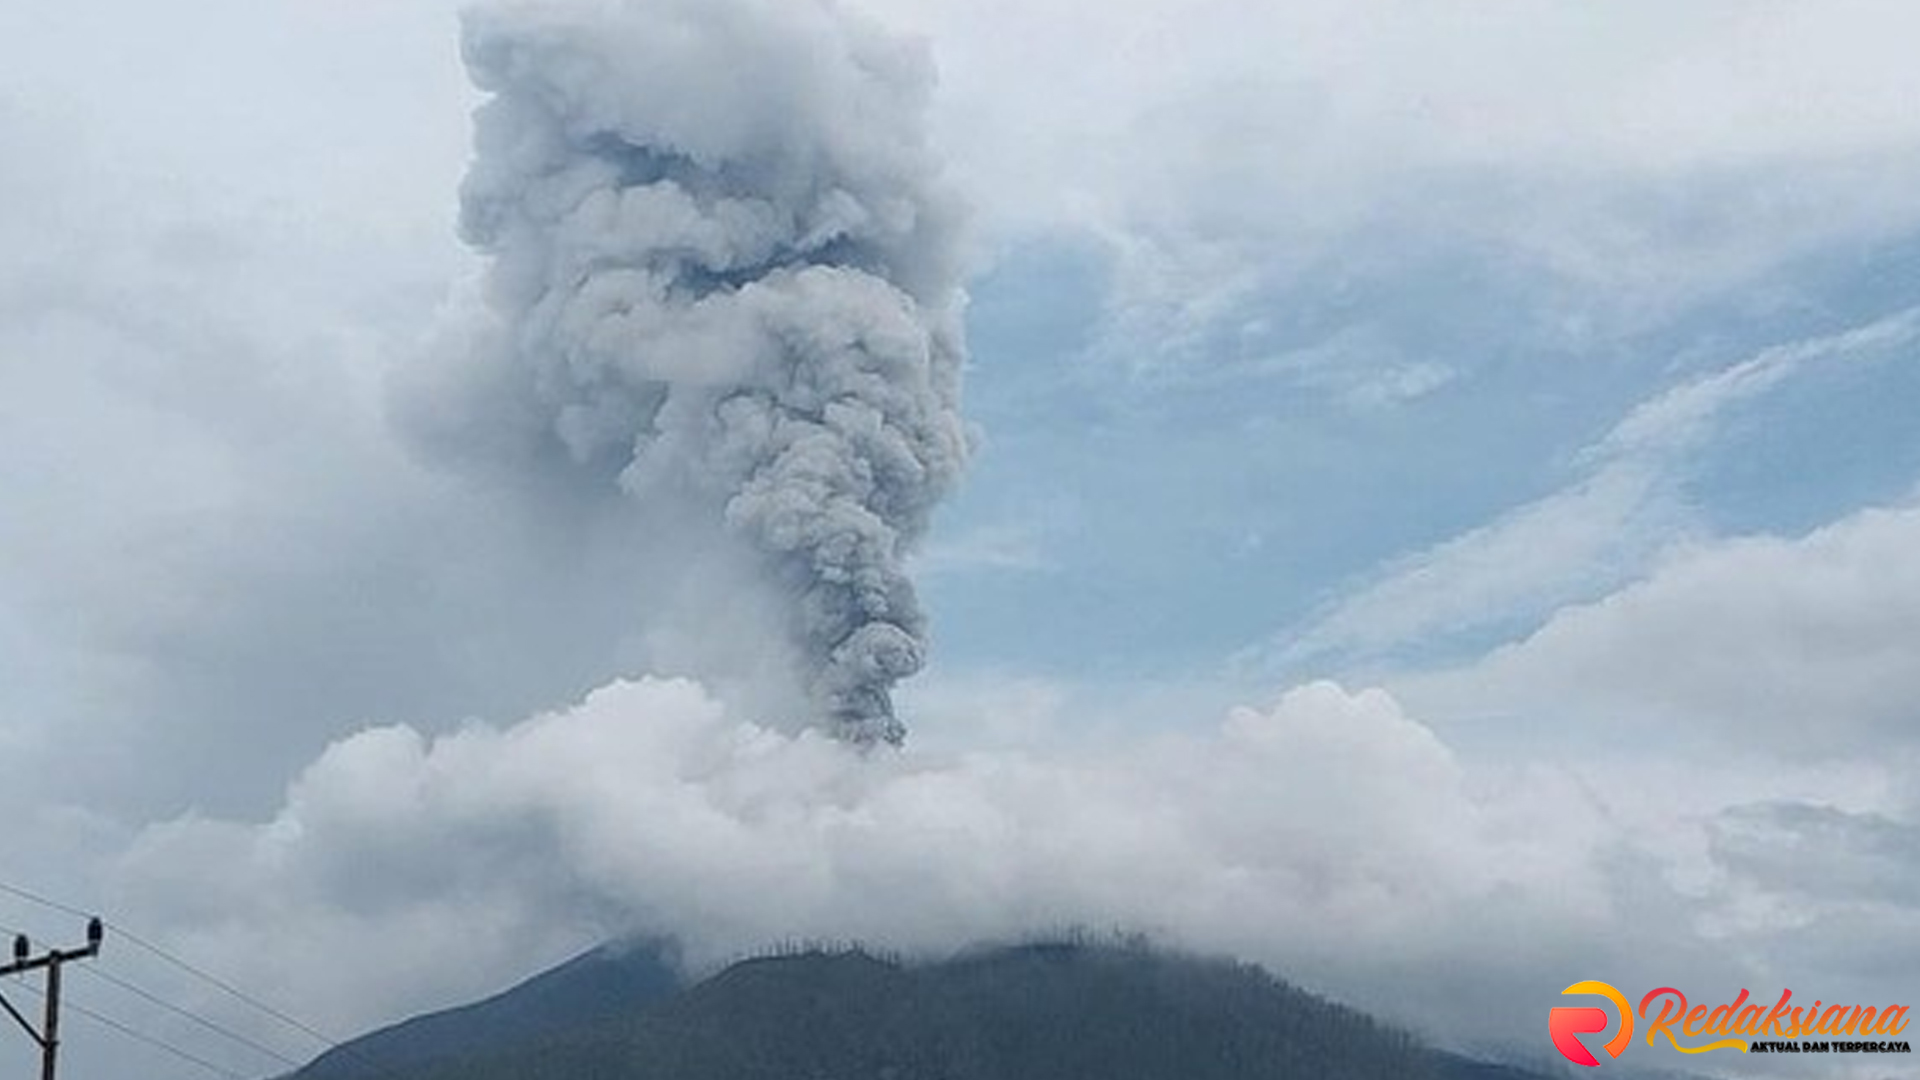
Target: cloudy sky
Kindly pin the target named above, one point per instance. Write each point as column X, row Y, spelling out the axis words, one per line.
column 1444, row 520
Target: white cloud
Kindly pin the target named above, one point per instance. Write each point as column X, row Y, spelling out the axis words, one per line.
column 648, row 799
column 1646, row 86
column 1330, row 835
column 1617, row 520
column 1800, row 646
column 1681, row 419
column 1646, row 156
column 1822, row 852
column 1837, row 892
column 1575, row 541
column 1011, row 546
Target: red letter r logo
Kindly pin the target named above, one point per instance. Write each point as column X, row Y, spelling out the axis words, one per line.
column 1567, row 1023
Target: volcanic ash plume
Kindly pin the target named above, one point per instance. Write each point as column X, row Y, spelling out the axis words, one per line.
column 724, row 270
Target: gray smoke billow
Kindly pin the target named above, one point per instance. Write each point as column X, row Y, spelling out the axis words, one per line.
column 724, row 270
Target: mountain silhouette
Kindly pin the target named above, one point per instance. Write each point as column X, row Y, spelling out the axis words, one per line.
column 1057, row 1011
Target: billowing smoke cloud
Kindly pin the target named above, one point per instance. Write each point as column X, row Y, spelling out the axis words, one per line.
column 1330, row 832
column 1331, row 835
column 723, row 276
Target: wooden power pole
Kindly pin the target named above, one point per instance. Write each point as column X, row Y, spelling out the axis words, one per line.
column 48, row 1033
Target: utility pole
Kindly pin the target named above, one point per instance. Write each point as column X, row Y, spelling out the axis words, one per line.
column 48, row 1034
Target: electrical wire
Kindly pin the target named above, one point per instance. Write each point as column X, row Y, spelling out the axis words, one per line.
column 224, row 986
column 218, row 983
column 97, row 972
column 141, row 1036
column 121, row 932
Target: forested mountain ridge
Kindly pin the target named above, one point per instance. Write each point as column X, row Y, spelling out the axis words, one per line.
column 1032, row 1012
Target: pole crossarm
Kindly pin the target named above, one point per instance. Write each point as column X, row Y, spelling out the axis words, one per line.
column 48, row 1034
column 48, row 959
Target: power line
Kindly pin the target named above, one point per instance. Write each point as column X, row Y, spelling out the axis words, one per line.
column 141, row 1036
column 27, row 894
column 210, row 979
column 43, row 901
column 224, row 986
column 213, row 980
column 193, row 1016
column 121, row 932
